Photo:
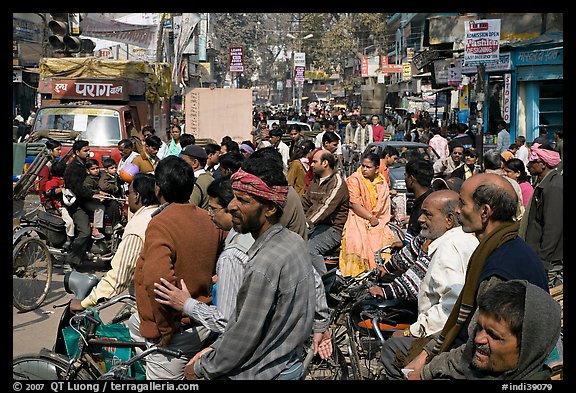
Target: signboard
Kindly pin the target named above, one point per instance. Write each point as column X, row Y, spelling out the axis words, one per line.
column 393, row 68
column 299, row 75
column 236, row 59
column 364, row 67
column 507, row 94
column 407, row 72
column 481, row 41
column 504, row 63
column 89, row 89
column 425, row 57
column 383, row 65
column 454, row 72
column 299, row 59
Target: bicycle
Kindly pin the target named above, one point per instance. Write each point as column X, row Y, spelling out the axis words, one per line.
column 94, row 355
column 359, row 325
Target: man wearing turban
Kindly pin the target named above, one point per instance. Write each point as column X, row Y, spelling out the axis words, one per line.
column 275, row 307
column 543, row 223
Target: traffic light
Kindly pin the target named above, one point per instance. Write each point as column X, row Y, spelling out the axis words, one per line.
column 65, row 29
column 59, row 28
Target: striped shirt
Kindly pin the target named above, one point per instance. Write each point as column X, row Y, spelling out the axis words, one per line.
column 274, row 314
column 230, row 270
column 409, row 265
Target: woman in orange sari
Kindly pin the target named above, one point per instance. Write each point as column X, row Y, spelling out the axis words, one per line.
column 366, row 230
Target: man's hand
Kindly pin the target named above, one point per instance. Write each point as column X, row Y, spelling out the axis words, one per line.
column 323, row 344
column 189, row 373
column 417, row 364
column 76, row 306
column 170, row 295
column 376, row 291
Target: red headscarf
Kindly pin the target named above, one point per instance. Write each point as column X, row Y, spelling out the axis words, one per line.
column 251, row 184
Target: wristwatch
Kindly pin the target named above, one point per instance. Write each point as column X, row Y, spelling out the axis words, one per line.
column 406, row 332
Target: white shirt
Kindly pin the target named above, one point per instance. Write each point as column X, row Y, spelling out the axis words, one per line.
column 128, row 160
column 441, row 286
column 522, row 154
column 361, row 139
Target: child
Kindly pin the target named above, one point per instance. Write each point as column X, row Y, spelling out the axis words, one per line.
column 109, row 183
column 55, row 205
column 91, row 182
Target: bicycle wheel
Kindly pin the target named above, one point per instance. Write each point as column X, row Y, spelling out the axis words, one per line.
column 31, row 273
column 333, row 368
column 44, row 366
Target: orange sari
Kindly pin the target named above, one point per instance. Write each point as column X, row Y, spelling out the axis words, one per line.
column 359, row 240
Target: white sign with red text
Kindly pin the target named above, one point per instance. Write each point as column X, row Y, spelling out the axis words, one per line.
column 481, row 41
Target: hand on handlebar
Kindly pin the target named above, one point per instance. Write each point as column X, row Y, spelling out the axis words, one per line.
column 189, row 369
column 376, row 291
column 323, row 344
column 76, row 306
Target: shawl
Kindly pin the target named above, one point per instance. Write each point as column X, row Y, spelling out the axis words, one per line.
column 466, row 302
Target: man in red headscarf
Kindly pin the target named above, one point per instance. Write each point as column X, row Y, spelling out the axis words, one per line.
column 276, row 303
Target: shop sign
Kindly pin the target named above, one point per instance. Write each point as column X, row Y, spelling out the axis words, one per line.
column 236, row 59
column 481, row 41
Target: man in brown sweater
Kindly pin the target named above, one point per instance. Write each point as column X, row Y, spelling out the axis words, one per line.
column 182, row 242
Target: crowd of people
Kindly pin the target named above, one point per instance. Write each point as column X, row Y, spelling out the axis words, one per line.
column 225, row 240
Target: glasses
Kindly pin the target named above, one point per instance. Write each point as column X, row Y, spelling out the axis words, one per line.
column 212, row 210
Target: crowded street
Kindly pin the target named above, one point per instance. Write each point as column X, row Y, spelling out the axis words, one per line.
column 288, row 196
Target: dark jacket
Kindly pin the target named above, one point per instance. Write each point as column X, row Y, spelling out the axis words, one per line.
column 545, row 229
column 74, row 176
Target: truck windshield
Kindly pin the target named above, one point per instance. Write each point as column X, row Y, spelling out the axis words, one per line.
column 100, row 127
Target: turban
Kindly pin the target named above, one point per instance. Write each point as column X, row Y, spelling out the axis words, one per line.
column 251, row 184
column 550, row 157
column 246, row 148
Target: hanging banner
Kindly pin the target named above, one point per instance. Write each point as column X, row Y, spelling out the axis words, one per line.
column 507, row 93
column 364, row 67
column 481, row 41
column 236, row 59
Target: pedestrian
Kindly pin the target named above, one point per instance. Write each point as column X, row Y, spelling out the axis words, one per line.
column 142, row 202
column 230, row 268
column 559, row 139
column 543, row 225
column 196, row 157
column 299, row 166
column 326, row 204
column 377, row 129
column 518, row 327
column 468, row 168
column 439, row 144
column 487, row 206
column 510, row 152
column 514, row 169
column 449, row 249
column 523, row 150
column 366, row 229
column 172, row 253
column 277, row 297
column 444, row 168
column 418, row 176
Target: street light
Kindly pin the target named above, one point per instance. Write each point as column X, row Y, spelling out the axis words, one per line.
column 299, row 40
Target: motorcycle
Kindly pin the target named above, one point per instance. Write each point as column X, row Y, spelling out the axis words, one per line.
column 51, row 229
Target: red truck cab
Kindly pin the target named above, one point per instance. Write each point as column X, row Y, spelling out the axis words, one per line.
column 92, row 99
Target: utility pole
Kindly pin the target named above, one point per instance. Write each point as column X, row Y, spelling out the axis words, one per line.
column 160, row 38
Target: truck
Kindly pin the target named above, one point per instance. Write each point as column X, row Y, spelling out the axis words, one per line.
column 94, row 99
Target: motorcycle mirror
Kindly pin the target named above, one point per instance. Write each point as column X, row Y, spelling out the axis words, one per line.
column 79, row 284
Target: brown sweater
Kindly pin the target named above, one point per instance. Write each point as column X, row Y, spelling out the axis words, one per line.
column 182, row 242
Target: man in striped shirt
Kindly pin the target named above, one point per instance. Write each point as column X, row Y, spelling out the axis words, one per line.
column 143, row 202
